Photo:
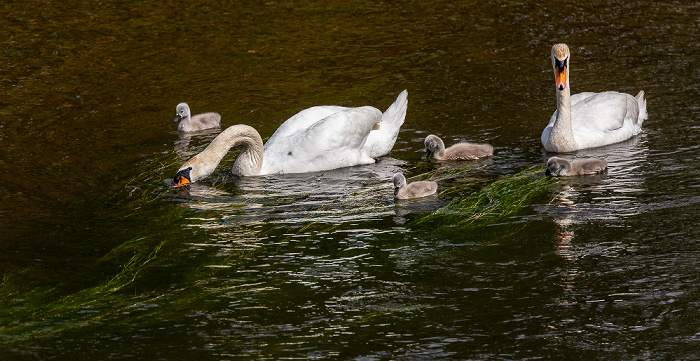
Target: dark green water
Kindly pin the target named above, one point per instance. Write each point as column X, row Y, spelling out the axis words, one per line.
column 101, row 259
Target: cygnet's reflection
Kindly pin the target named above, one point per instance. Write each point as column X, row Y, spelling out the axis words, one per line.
column 608, row 196
column 604, row 197
column 183, row 147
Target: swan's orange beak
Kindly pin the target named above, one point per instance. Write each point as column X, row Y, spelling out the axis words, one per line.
column 181, row 181
column 560, row 73
column 182, row 177
column 561, row 79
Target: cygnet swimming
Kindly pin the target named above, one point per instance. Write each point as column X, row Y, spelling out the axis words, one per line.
column 414, row 190
column 195, row 123
column 462, row 151
column 559, row 167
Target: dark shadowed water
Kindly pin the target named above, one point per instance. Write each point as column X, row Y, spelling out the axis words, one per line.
column 101, row 259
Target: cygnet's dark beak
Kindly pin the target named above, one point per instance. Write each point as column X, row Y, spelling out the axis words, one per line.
column 182, row 177
column 547, row 172
column 428, row 153
column 177, row 118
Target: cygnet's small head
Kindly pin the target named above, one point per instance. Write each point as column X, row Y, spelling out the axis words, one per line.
column 399, row 180
column 433, row 144
column 560, row 63
column 557, row 167
column 182, row 111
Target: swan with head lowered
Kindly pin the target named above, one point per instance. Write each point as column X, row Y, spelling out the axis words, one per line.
column 315, row 139
column 588, row 120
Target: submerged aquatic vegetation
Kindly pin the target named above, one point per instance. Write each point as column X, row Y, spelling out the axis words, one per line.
column 30, row 312
column 27, row 313
column 499, row 199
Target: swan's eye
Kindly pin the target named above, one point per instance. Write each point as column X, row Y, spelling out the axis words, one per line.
column 560, row 64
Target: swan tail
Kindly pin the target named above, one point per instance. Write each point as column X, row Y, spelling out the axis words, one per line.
column 380, row 141
column 396, row 113
column 643, row 115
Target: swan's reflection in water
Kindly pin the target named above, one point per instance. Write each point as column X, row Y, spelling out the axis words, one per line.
column 335, row 196
column 184, row 147
column 608, row 198
column 298, row 213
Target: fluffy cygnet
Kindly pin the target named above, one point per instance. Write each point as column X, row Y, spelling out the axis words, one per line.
column 561, row 167
column 195, row 123
column 461, row 151
column 414, row 190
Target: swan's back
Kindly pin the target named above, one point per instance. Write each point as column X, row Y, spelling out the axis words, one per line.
column 335, row 141
column 303, row 120
column 599, row 119
column 562, row 167
column 588, row 166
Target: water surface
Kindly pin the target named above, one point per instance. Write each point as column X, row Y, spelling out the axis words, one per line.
column 101, row 259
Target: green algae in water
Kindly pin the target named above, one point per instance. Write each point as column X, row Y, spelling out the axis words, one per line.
column 27, row 314
column 499, row 199
column 30, row 313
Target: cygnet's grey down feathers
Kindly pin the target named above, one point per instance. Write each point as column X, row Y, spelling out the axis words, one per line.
column 462, row 151
column 199, row 122
column 561, row 167
column 414, row 190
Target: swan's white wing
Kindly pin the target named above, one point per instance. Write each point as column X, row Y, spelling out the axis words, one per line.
column 600, row 112
column 604, row 118
column 333, row 142
column 303, row 120
column 600, row 118
column 581, row 97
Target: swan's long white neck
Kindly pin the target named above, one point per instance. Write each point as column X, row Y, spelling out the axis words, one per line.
column 248, row 162
column 562, row 137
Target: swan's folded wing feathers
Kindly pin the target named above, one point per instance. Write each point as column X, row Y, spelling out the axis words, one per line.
column 347, row 128
column 333, row 142
column 600, row 112
column 303, row 120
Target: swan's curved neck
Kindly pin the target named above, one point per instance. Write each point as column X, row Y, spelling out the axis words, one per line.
column 248, row 162
column 562, row 137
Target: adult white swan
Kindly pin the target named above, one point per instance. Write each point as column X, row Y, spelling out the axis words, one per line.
column 588, row 120
column 315, row 139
